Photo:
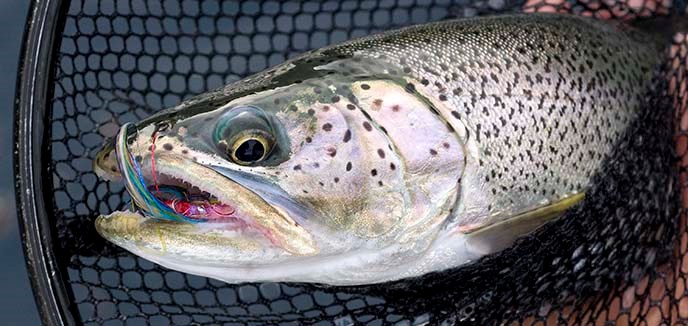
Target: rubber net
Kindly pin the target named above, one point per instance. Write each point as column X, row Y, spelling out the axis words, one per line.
column 121, row 61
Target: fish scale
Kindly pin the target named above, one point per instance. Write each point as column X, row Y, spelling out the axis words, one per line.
column 531, row 91
column 419, row 150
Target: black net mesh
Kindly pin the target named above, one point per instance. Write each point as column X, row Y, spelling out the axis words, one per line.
column 120, row 61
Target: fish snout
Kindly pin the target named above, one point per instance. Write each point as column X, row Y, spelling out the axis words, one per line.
column 105, row 164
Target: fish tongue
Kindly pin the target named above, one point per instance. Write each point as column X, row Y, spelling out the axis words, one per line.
column 201, row 209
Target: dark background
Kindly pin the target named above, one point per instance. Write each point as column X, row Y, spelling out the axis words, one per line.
column 17, row 306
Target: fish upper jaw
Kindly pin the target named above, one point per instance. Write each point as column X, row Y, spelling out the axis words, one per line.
column 105, row 164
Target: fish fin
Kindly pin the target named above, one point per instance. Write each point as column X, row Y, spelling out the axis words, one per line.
column 498, row 236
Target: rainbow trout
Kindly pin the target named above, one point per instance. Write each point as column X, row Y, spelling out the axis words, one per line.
column 382, row 158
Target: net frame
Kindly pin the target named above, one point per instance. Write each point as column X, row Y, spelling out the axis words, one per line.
column 32, row 93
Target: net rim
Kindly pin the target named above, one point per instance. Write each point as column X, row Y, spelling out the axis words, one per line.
column 30, row 111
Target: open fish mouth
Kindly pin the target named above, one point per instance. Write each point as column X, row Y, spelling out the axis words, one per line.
column 167, row 195
column 179, row 190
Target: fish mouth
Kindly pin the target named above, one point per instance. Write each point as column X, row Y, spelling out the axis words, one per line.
column 178, row 190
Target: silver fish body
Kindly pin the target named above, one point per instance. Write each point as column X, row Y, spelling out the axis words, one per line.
column 538, row 101
column 393, row 155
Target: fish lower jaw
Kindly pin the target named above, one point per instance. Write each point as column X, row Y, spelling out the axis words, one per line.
column 165, row 241
column 119, row 224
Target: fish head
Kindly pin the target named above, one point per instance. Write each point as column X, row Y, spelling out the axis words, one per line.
column 267, row 183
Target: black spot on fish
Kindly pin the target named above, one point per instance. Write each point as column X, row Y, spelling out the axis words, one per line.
column 443, row 97
column 433, row 152
column 373, row 172
column 336, row 179
column 347, row 135
column 167, row 146
column 185, row 151
column 410, row 88
column 293, row 108
column 392, row 166
column 327, row 127
column 351, row 107
column 311, row 112
column 377, row 102
column 326, row 108
column 367, row 126
column 365, row 86
column 331, row 151
column 396, row 108
column 297, row 167
column 335, row 99
column 381, row 153
column 309, row 139
column 348, row 166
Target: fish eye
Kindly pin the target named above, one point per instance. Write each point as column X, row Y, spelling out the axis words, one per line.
column 250, row 147
column 245, row 136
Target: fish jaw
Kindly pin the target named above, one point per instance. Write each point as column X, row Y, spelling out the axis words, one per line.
column 105, row 164
column 251, row 217
column 276, row 224
column 192, row 244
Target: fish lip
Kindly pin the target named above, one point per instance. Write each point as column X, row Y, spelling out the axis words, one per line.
column 105, row 155
column 109, row 230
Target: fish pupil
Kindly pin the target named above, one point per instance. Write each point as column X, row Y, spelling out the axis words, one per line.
column 250, row 150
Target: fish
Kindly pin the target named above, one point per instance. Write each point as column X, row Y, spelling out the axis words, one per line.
column 383, row 158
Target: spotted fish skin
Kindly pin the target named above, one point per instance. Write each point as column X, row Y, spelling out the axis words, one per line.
column 539, row 100
column 389, row 155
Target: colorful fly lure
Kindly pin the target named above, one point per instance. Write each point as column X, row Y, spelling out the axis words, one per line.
column 175, row 204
